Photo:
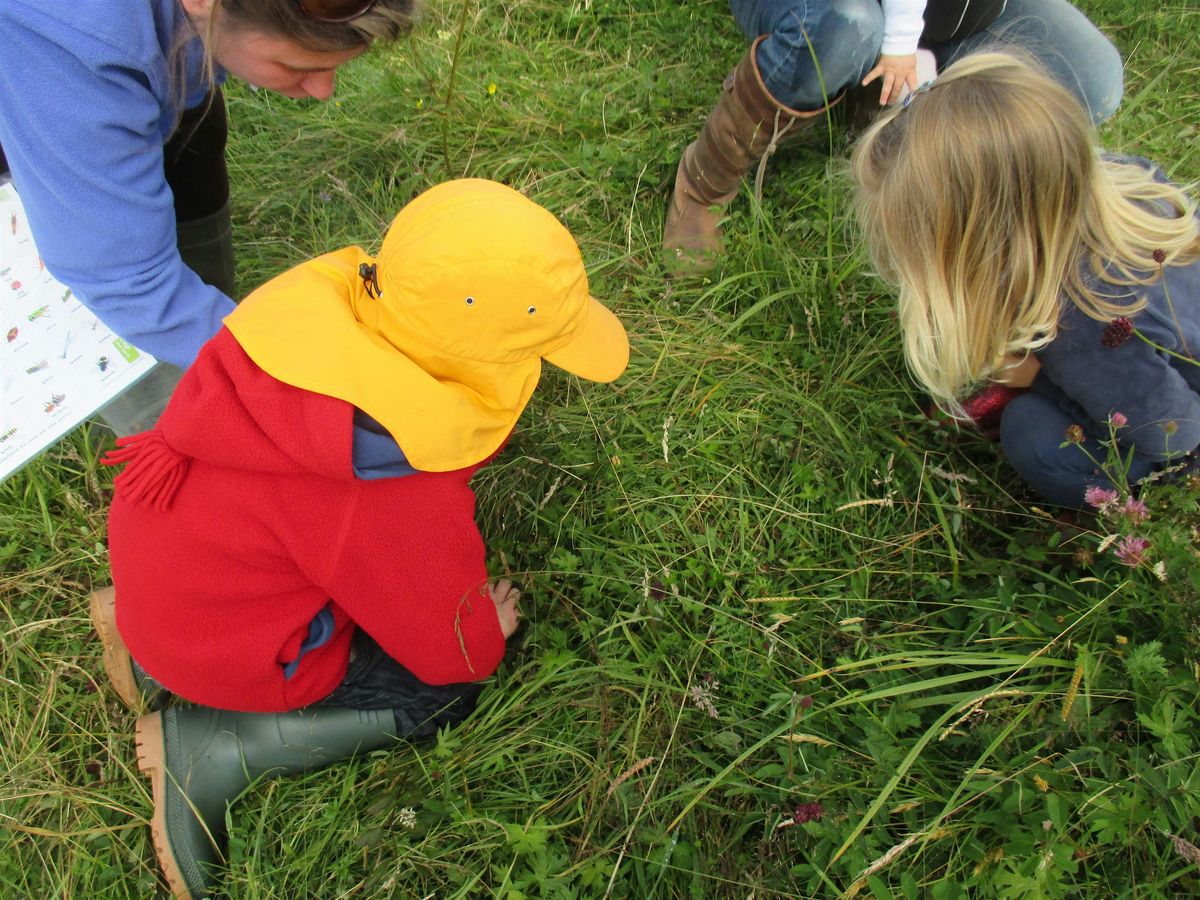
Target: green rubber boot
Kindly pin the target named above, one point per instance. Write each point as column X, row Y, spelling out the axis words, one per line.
column 199, row 760
column 206, row 245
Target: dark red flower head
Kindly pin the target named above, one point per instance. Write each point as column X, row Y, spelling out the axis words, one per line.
column 808, row 812
column 1160, row 256
column 1117, row 332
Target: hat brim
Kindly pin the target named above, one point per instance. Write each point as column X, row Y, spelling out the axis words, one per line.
column 599, row 351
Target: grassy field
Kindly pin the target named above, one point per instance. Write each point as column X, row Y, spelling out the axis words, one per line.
column 785, row 637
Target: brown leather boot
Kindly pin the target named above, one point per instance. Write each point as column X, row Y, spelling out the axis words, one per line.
column 746, row 123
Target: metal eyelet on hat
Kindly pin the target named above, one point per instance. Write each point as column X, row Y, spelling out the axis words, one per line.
column 532, row 310
column 470, row 301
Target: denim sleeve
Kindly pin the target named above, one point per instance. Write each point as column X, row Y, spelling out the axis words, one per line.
column 82, row 127
column 1131, row 378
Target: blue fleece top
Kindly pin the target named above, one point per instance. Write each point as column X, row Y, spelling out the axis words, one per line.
column 1149, row 387
column 86, row 104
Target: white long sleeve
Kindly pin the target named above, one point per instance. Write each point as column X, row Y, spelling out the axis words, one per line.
column 903, row 22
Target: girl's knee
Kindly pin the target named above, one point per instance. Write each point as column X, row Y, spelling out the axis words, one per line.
column 1032, row 431
column 1022, row 432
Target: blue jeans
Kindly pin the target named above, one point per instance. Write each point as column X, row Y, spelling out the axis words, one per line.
column 1064, row 41
column 815, row 49
column 1032, row 431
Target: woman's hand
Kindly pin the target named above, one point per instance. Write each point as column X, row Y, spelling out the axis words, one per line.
column 507, row 599
column 896, row 71
column 1018, row 371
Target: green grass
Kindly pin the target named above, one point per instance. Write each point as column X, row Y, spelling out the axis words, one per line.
column 756, row 514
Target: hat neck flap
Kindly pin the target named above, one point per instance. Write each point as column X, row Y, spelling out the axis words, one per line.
column 315, row 327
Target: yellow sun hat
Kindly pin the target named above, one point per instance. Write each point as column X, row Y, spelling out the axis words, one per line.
column 441, row 338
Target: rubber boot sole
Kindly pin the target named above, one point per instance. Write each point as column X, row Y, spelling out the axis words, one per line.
column 118, row 664
column 151, row 757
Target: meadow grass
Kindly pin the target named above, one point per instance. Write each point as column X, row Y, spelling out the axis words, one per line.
column 757, row 579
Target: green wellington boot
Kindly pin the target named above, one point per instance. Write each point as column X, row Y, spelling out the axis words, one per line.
column 137, row 690
column 206, row 245
column 199, row 760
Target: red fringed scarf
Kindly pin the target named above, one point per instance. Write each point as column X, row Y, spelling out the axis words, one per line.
column 153, row 469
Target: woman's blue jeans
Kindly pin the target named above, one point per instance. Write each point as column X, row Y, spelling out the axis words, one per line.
column 815, row 49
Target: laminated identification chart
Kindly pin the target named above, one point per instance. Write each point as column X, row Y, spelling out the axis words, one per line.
column 58, row 363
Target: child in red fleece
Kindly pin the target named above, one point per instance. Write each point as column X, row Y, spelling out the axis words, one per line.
column 294, row 546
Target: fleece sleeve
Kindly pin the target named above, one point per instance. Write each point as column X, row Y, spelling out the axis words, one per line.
column 411, row 573
column 1133, row 379
column 81, row 127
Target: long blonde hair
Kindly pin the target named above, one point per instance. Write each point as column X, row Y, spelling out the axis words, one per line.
column 983, row 199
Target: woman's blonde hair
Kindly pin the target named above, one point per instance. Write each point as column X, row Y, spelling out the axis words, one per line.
column 986, row 200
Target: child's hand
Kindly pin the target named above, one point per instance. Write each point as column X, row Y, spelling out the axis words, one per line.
column 506, row 597
column 1018, row 371
column 896, row 70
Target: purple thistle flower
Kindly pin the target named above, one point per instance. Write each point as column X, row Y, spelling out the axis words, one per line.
column 1118, row 420
column 1132, row 550
column 1098, row 497
column 1117, row 332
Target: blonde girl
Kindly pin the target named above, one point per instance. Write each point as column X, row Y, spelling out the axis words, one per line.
column 1026, row 256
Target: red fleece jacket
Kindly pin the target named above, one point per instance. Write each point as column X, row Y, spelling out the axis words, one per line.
column 239, row 517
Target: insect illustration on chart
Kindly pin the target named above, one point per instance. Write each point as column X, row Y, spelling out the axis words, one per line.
column 66, row 295
column 102, row 363
column 43, row 310
column 66, row 345
column 4, row 437
column 16, row 285
column 55, row 401
column 12, row 334
column 36, row 367
column 14, row 223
